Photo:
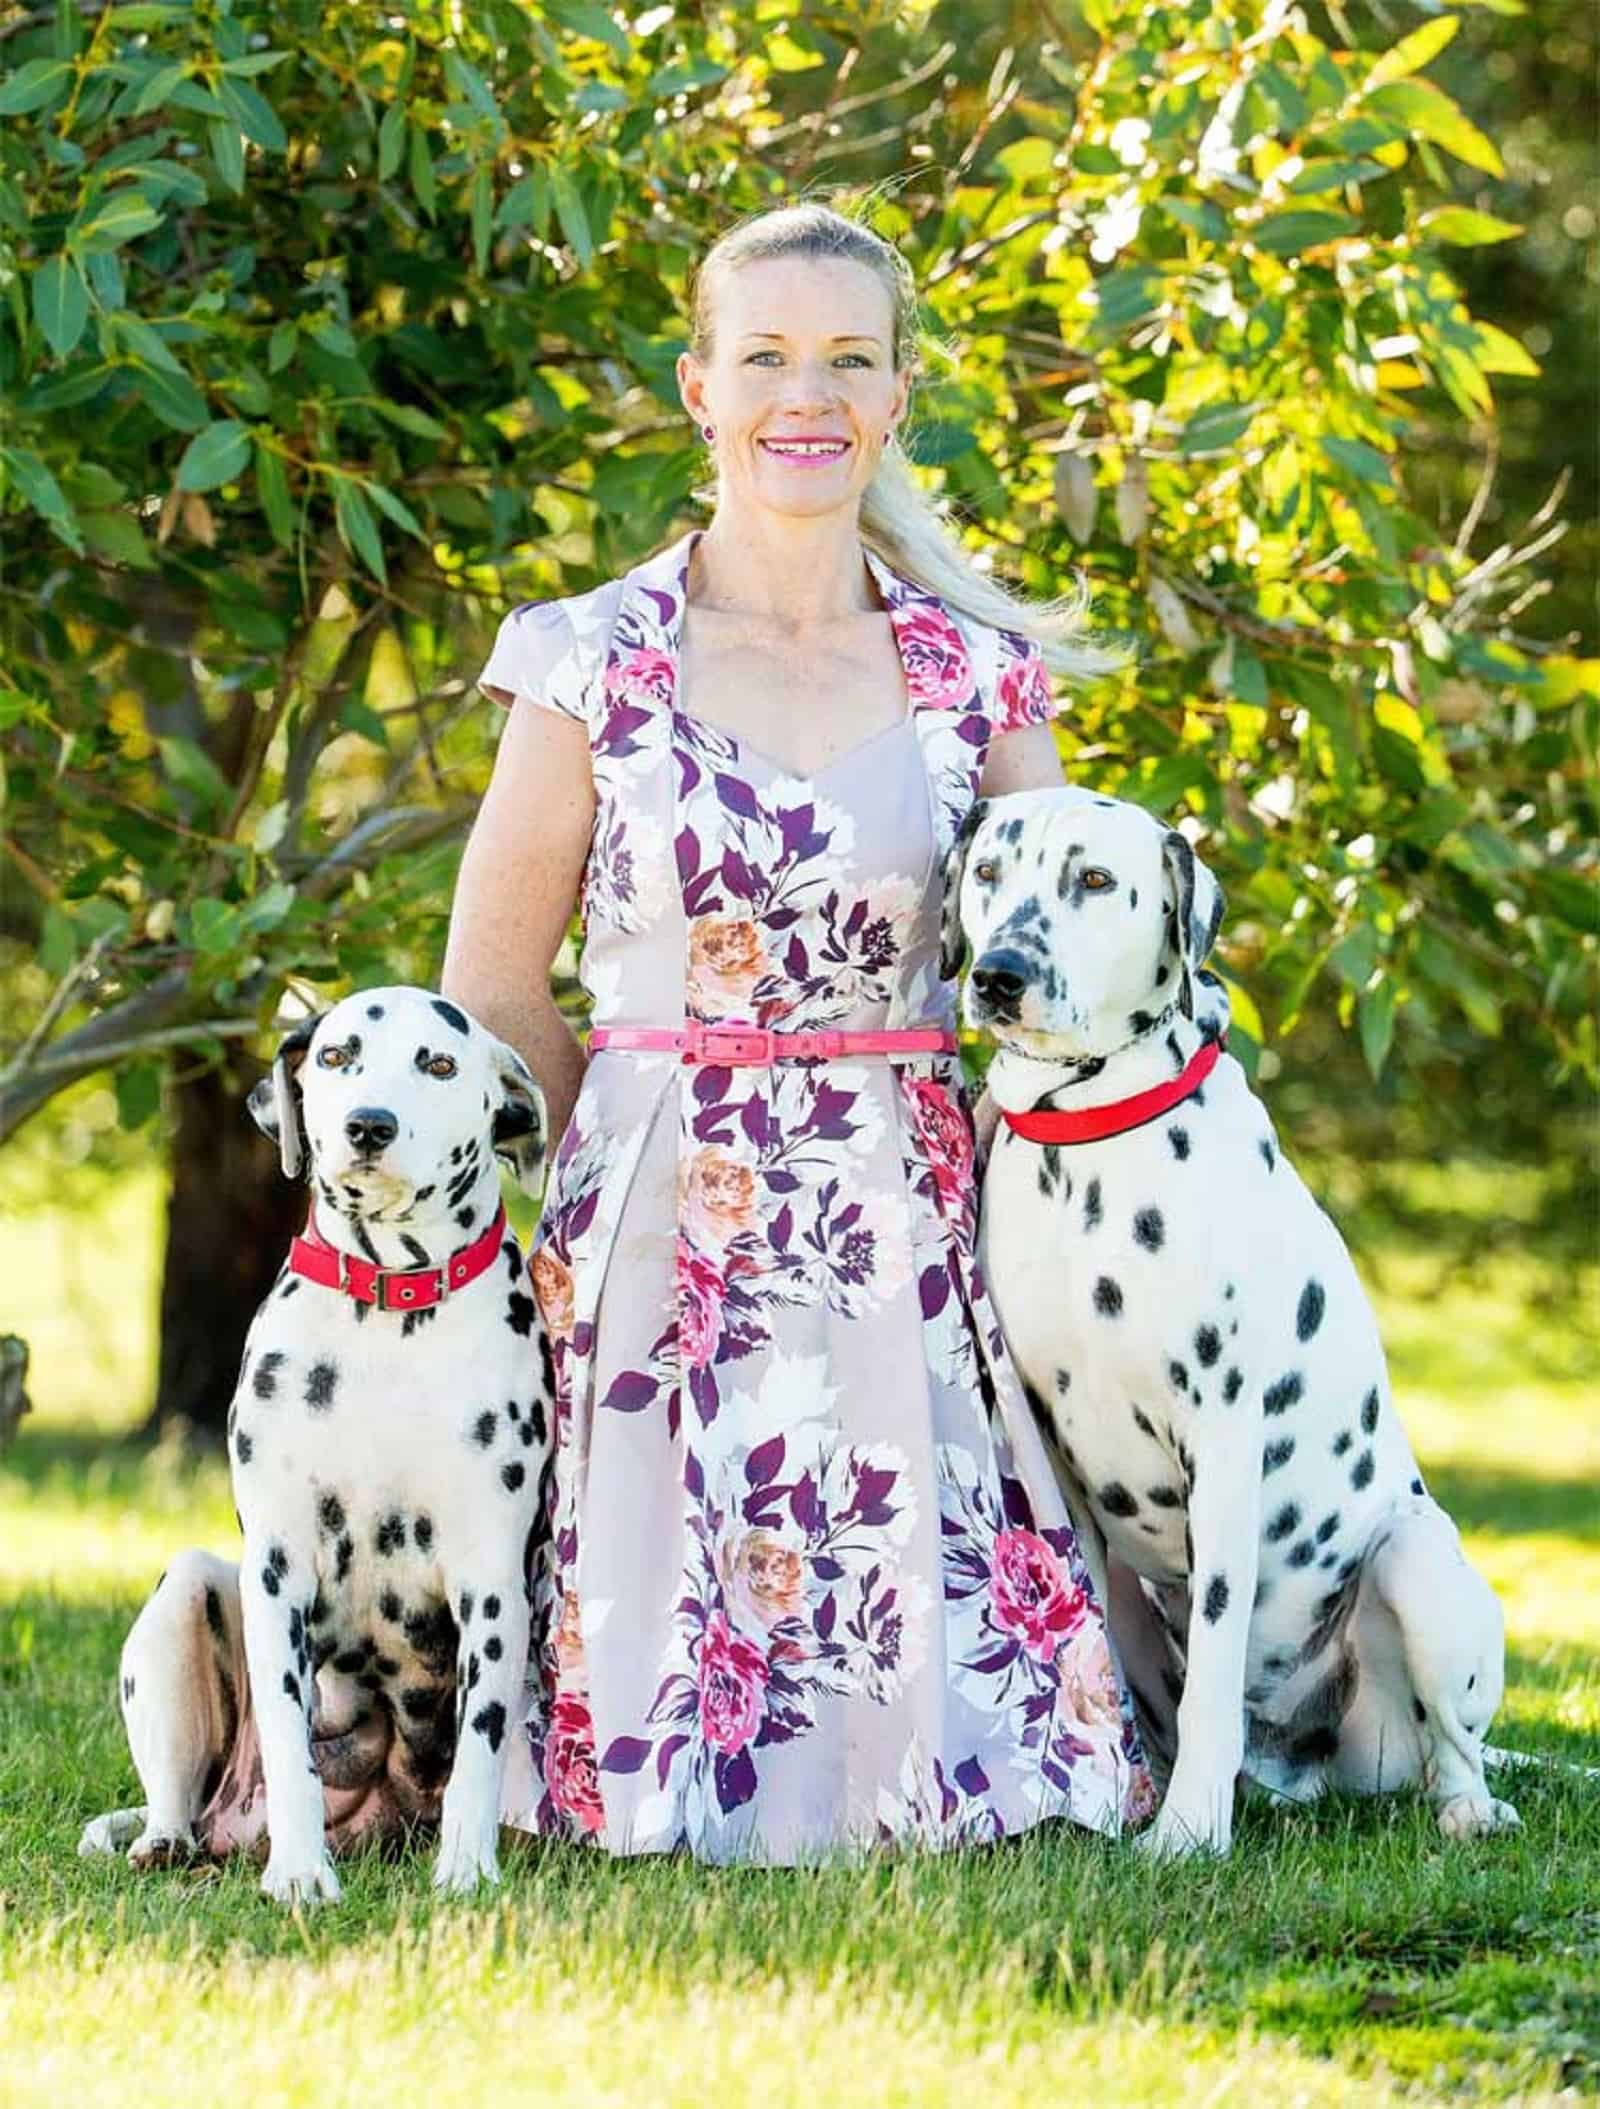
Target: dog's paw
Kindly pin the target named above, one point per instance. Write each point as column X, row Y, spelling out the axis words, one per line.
column 1176, row 1835
column 156, row 1849
column 1476, row 1815
column 108, row 1834
column 287, row 1884
column 460, row 1871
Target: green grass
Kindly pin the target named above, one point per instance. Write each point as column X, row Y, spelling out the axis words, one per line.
column 1343, row 1954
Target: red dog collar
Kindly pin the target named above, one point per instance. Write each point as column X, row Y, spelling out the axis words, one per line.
column 394, row 1288
column 1094, row 1123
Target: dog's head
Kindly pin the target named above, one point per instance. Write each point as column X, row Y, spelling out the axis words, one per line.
column 1083, row 915
column 390, row 1097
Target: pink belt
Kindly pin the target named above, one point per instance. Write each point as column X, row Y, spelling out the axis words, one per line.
column 753, row 1046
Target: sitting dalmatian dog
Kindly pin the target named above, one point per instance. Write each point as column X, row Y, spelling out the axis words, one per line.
column 1198, row 1348
column 361, row 1669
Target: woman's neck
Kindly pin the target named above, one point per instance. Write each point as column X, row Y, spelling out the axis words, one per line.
column 801, row 573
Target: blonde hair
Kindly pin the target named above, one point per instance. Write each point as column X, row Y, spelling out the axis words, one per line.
column 897, row 520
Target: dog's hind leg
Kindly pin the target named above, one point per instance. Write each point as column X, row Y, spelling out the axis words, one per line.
column 178, row 1686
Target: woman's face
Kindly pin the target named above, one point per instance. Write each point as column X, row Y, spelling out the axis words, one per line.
column 801, row 386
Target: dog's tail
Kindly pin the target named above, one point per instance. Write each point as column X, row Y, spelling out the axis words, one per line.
column 1534, row 1761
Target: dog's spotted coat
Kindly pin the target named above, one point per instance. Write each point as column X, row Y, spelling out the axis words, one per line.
column 1200, row 1352
column 362, row 1666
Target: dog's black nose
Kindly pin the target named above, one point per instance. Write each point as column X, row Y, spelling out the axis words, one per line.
column 1000, row 978
column 371, row 1128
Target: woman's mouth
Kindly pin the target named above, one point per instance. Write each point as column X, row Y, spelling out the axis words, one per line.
column 805, row 453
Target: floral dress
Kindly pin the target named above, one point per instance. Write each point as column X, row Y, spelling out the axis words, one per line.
column 809, row 1583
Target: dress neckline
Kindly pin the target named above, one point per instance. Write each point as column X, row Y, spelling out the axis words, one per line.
column 881, row 575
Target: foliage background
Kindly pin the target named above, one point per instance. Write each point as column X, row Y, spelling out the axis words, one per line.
column 325, row 338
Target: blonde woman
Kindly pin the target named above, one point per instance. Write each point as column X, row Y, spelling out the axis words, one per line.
column 809, row 1582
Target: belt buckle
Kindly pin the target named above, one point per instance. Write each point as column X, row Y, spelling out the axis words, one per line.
column 740, row 1046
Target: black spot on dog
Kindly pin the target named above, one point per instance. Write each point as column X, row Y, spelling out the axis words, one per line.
column 1284, row 1523
column 1361, row 1471
column 464, row 1608
column 519, row 1312
column 1279, row 1397
column 386, row 1666
column 1269, row 1155
column 1232, row 1385
column 1369, row 1412
column 1216, row 1598
column 344, row 1553
column 1091, row 1205
column 264, row 1381
column 243, row 1448
column 490, row 1722
column 1418, row 1488
column 351, row 1660
column 1327, row 1527
column 1144, row 1424
column 330, row 1515
column 214, row 1618
column 422, row 1532
column 1309, row 1315
column 321, row 1382
column 127, row 1690
column 466, row 1217
column 390, row 1607
column 1063, row 1382
column 1179, row 1139
column 1117, row 1501
column 374, row 1010
column 1207, row 1345
column 491, row 1606
column 1140, row 1022
column 390, row 1535
column 1149, row 1229
column 276, row 1568
column 1420, row 1711
column 1342, row 1442
column 483, row 1429
column 291, row 1687
column 1178, row 1376
column 512, row 1476
column 421, row 1702
column 451, row 1016
column 289, row 1288
column 493, row 1648
column 1164, row 1497
column 1303, row 1554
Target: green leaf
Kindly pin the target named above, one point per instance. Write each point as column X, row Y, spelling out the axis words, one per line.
column 216, row 456
column 1466, row 229
column 254, row 115
column 585, row 19
column 1290, row 233
column 357, row 529
column 267, row 909
column 189, row 766
column 60, row 303
column 1499, row 352
column 39, row 487
column 1128, row 295
column 481, row 207
column 118, row 537
column 1334, row 175
column 34, row 84
column 117, row 217
column 410, row 419
column 213, row 926
column 395, row 509
column 1413, row 52
column 138, row 1090
column 157, row 88
column 1215, row 428
column 272, row 484
column 1359, row 459
column 1426, row 110
column 1375, row 1018
column 574, row 220
column 424, row 186
column 391, row 141
column 227, row 152
column 1354, row 957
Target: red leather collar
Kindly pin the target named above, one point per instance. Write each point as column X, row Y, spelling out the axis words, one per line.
column 1094, row 1123
column 393, row 1288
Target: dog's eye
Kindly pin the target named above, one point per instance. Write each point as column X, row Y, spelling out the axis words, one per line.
column 1095, row 880
column 441, row 1065
column 987, row 870
column 332, row 1057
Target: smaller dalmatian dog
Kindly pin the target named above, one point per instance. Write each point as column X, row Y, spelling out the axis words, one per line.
column 1198, row 1348
column 361, row 1669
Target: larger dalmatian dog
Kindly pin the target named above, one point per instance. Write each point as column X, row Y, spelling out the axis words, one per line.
column 360, row 1669
column 1198, row 1347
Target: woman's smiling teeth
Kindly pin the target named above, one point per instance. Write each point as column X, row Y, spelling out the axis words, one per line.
column 806, row 449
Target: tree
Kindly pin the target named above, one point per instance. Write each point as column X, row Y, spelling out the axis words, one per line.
column 326, row 336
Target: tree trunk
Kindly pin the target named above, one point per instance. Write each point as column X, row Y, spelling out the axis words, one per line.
column 229, row 1221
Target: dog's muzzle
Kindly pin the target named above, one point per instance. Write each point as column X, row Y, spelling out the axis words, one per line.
column 999, row 982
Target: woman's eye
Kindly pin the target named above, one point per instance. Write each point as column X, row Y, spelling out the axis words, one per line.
column 441, row 1065
column 1096, row 880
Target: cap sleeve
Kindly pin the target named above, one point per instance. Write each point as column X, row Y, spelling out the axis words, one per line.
column 536, row 655
column 1022, row 691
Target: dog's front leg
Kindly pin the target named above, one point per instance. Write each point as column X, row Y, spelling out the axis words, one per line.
column 276, row 1586
column 1224, row 1497
column 490, row 1670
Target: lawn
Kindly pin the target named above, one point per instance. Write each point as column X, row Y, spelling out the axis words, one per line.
column 1344, row 1954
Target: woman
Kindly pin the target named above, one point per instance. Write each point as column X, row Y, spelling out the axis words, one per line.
column 810, row 1582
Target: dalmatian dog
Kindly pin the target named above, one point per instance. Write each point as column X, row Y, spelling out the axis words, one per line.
column 360, row 1669
column 1198, row 1349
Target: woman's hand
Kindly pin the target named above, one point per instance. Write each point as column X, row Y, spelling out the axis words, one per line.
column 518, row 884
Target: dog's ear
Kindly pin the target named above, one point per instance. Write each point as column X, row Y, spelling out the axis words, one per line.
column 275, row 1102
column 952, row 939
column 519, row 1118
column 1195, row 903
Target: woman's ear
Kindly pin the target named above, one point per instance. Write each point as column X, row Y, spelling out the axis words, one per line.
column 952, row 938
column 275, row 1102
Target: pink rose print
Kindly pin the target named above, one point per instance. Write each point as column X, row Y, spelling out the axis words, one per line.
column 569, row 1770
column 552, row 1291
column 702, row 1291
column 764, row 1577
column 1087, row 1690
column 733, row 1684
column 726, row 960
column 946, row 1136
column 1029, row 1597
column 716, row 1197
column 938, row 670
column 1022, row 695
column 642, row 676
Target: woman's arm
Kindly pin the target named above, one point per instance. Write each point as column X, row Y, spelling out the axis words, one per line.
column 519, row 880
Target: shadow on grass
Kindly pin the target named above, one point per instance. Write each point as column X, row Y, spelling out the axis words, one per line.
column 1516, row 1504
column 108, row 1466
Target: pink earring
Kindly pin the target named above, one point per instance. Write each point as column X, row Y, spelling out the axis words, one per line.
column 709, row 432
